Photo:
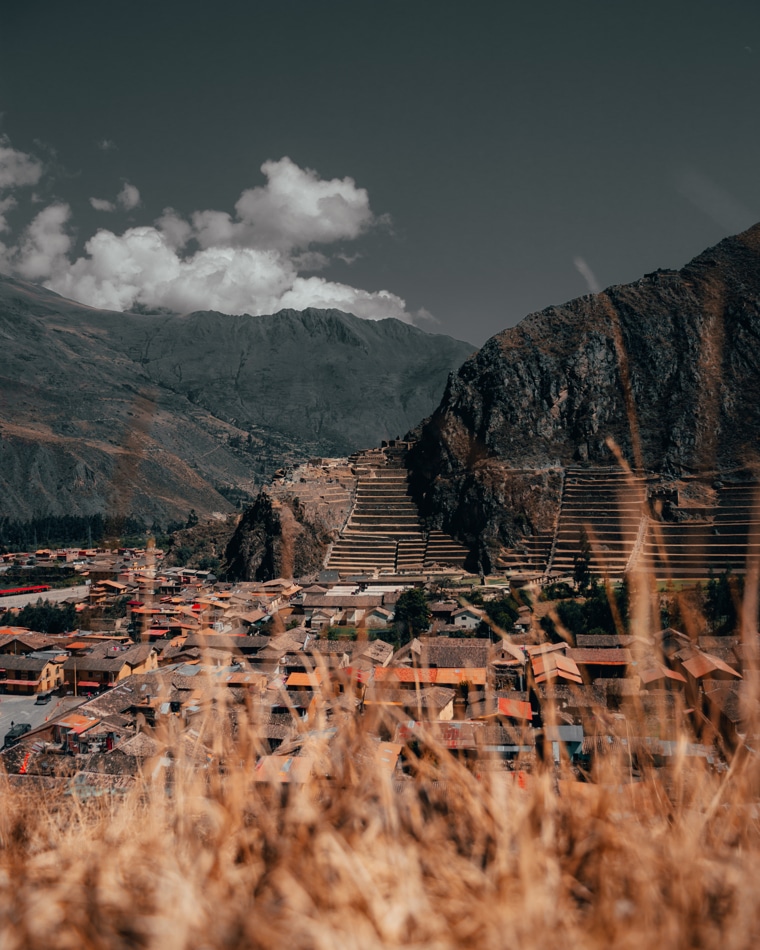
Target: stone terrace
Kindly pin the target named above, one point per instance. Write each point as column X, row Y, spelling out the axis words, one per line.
column 383, row 531
column 722, row 536
column 610, row 505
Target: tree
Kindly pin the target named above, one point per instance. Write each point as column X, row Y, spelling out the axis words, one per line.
column 582, row 563
column 721, row 598
column 502, row 613
column 412, row 613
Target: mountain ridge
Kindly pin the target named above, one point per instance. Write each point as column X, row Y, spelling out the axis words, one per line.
column 152, row 414
column 663, row 373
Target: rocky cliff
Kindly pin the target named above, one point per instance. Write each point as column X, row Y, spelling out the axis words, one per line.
column 152, row 415
column 663, row 372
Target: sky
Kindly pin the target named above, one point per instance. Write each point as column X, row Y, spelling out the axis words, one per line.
column 457, row 165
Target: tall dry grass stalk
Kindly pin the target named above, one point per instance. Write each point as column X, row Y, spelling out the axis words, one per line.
column 454, row 855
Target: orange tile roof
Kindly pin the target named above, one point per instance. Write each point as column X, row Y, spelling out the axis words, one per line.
column 304, row 679
column 514, row 708
column 405, row 674
column 452, row 676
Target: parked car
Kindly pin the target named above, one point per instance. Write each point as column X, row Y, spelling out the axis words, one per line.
column 15, row 733
column 43, row 698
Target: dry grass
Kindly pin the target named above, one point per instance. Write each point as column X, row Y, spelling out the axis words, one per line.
column 454, row 857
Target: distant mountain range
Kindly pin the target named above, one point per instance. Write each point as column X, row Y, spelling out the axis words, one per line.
column 152, row 415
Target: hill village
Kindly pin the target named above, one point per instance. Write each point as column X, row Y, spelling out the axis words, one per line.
column 418, row 648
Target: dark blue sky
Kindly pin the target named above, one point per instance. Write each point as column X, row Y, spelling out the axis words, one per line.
column 511, row 146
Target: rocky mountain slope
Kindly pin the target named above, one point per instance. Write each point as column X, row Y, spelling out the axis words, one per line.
column 151, row 415
column 664, row 372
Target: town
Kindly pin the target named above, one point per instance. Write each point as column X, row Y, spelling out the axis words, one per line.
column 484, row 667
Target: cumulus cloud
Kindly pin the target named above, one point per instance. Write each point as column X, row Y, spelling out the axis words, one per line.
column 316, row 292
column 17, row 169
column 45, row 244
column 128, row 197
column 252, row 260
column 100, row 204
column 106, row 145
column 293, row 210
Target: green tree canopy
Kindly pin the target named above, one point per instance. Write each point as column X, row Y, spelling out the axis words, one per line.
column 412, row 613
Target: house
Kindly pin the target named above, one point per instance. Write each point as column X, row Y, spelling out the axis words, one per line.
column 378, row 617
column 105, row 665
column 452, row 652
column 554, row 666
column 376, row 652
column 442, row 611
column 21, row 641
column 600, row 662
column 27, row 674
column 433, row 703
column 466, row 618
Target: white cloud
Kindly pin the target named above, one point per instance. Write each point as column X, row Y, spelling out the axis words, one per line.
column 100, row 204
column 250, row 261
column 175, row 229
column 317, row 292
column 142, row 267
column 293, row 210
column 128, row 197
column 42, row 253
column 106, row 145
column 17, row 169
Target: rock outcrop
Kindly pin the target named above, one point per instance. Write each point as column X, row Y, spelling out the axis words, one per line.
column 274, row 539
column 288, row 529
column 663, row 373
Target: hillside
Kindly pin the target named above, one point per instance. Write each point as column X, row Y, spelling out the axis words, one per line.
column 151, row 415
column 664, row 371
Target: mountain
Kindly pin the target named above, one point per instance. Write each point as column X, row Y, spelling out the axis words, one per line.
column 663, row 372
column 152, row 415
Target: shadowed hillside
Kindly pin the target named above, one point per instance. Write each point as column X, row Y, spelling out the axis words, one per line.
column 664, row 372
column 151, row 415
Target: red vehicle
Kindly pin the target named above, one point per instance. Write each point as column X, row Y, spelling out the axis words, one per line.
column 37, row 589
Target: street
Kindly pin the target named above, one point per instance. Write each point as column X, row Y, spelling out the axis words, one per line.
column 54, row 596
column 24, row 709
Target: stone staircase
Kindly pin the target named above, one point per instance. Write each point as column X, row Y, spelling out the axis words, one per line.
column 383, row 532
column 530, row 555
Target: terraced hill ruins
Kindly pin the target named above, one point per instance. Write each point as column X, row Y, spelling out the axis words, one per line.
column 352, row 516
column 669, row 528
column 358, row 516
column 632, row 415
